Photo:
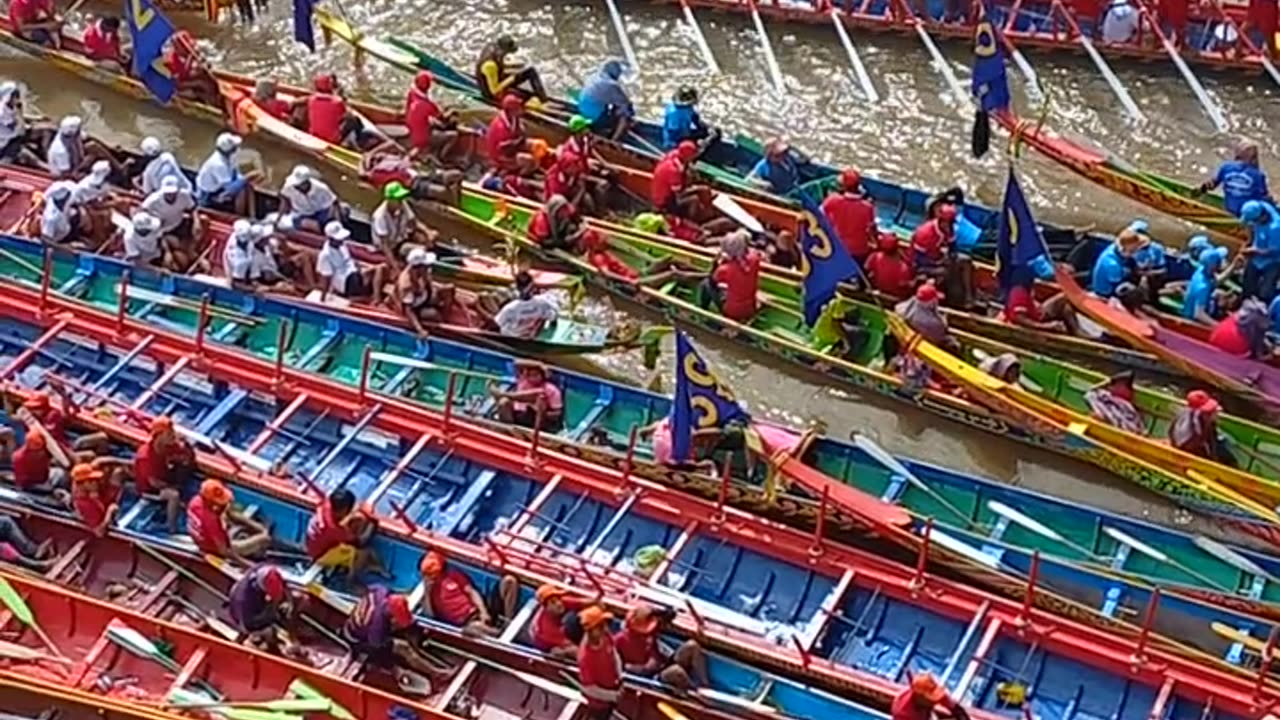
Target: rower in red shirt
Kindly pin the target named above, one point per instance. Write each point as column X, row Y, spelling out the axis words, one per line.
column 931, row 242
column 1262, row 17
column 889, row 270
column 451, row 597
column 637, row 644
column 739, row 273
column 35, row 20
column 557, row 225
column 567, row 177
column 267, row 96
column 547, row 630
column 1173, row 15
column 338, row 535
column 1021, row 308
column 669, row 189
column 1243, row 333
column 95, row 496
column 599, row 666
column 852, row 215
column 595, row 248
column 209, row 516
column 162, row 467
column 102, row 43
column 326, row 109
column 188, row 70
column 923, row 698
column 432, row 131
column 506, row 142
column 32, row 472
column 50, row 418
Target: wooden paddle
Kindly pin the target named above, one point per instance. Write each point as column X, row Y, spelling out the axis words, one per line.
column 1159, row 556
column 22, row 611
column 142, row 646
column 14, row 651
column 889, row 462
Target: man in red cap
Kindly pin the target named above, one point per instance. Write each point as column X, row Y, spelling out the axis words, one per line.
column 599, row 665
column 162, row 467
column 557, row 225
column 451, row 597
column 506, row 143
column 557, row 609
column 209, row 521
column 888, row 268
column 670, row 189
column 934, row 257
column 567, row 177
column 1195, row 429
column 852, row 215
column 432, row 131
column 259, row 605
column 326, row 109
column 378, row 627
column 923, row 698
column 637, row 644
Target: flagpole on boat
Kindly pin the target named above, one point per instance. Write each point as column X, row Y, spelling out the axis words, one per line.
column 1210, row 107
column 859, row 70
column 1107, row 73
column 621, row 29
column 701, row 40
column 771, row 60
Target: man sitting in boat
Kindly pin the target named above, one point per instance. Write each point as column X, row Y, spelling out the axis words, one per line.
column 599, row 666
column 888, row 268
column 1115, row 264
column 676, row 196
column 259, row 605
column 852, row 215
column 450, row 597
column 395, row 227
column 581, row 142
column 557, row 225
column 557, row 612
column 338, row 536
column 156, row 165
column 162, row 467
column 922, row 700
column 70, row 153
column 1195, row 429
column 733, row 284
column 33, row 470
column 507, row 144
column 1112, row 402
column 528, row 314
column 308, row 201
column 1240, row 178
column 17, row 548
column 192, row 76
column 641, row 653
column 924, row 315
column 102, row 44
column 1201, row 299
column 218, row 529
column 237, row 256
column 14, row 132
column 386, row 164
column 567, row 177
column 326, row 109
column 681, row 122
column 535, row 397
column 144, row 244
column 497, row 75
column 1262, row 271
column 605, row 103
column 339, row 273
column 219, row 184
column 62, row 222
column 36, row 21
column 777, row 171
column 378, row 628
column 1055, row 315
column 1243, row 333
column 935, row 257
column 433, row 133
column 276, row 263
column 175, row 208
column 422, row 301
column 1120, row 23
column 93, row 190
column 267, row 96
column 95, row 496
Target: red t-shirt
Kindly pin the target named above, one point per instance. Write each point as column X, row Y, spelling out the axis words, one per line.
column 92, row 507
column 54, row 421
column 1174, row 12
column 890, row 274
column 1262, row 14
column 854, row 220
column 540, row 227
column 388, row 168
column 1019, row 298
column 207, row 527
column 150, row 466
column 324, row 533
column 419, row 111
column 635, row 648
column 179, row 64
column 904, row 709
column 501, row 131
column 450, row 601
column 559, row 183
column 930, row 241
column 607, row 262
column 1226, row 336
column 99, row 45
column 30, row 467
column 741, row 279
column 548, row 630
column 599, row 666
column 277, row 108
column 24, row 12
column 668, row 181
column 324, row 117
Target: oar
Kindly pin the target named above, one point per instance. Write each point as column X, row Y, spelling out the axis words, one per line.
column 14, row 651
column 22, row 611
column 160, row 298
column 1024, row 66
column 1233, row 558
column 619, row 27
column 730, row 207
column 695, row 29
column 1108, row 74
column 530, row 679
column 855, row 60
column 415, row 363
column 891, row 463
column 771, row 60
column 1037, row 527
column 1210, row 107
column 22, row 262
column 1122, row 537
column 300, row 688
column 142, row 646
column 949, row 74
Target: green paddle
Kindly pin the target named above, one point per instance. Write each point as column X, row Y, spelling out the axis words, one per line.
column 300, row 688
column 142, row 646
column 21, row 610
column 183, row 699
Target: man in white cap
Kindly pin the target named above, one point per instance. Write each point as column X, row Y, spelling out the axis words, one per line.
column 94, row 187
column 175, row 208
column 219, row 184
column 338, row 271
column 308, row 200
column 237, row 256
column 14, row 132
column 416, row 293
column 61, row 222
column 149, row 149
column 66, row 152
column 142, row 241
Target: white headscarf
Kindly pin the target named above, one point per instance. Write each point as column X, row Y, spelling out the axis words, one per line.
column 165, row 165
column 10, row 118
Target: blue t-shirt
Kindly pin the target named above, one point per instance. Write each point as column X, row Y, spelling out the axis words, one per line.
column 1108, row 272
column 1199, row 294
column 680, row 122
column 1042, row 266
column 781, row 176
column 1150, row 256
column 1267, row 237
column 1241, row 182
column 603, row 91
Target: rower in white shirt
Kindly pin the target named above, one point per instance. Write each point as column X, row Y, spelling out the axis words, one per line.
column 237, row 258
column 61, row 222
column 94, row 187
column 13, row 127
column 160, row 165
column 143, row 242
column 1120, row 22
column 66, row 152
column 339, row 272
column 219, row 184
column 180, row 225
column 308, row 200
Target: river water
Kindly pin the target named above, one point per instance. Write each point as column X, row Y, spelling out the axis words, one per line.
column 916, row 134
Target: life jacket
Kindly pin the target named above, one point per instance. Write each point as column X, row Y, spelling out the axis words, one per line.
column 324, row 116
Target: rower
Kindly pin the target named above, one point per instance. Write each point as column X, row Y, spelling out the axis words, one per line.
column 266, row 95
column 734, row 282
column 66, row 158
column 783, row 250
column 237, row 256
column 219, row 184
column 95, row 496
column 450, row 597
column 557, row 225
column 102, row 44
column 144, row 244
column 432, row 132
column 1150, row 260
column 275, row 264
column 1021, row 308
column 33, row 471
column 599, row 665
column 17, row 548
column 497, row 75
column 556, row 621
column 218, row 529
column 595, row 249
column 1195, row 429
column 673, row 194
column 923, row 315
column 528, row 314
column 1173, row 16
column 381, row 166
column 338, row 271
column 1262, row 271
column 1240, row 178
column 1114, row 264
column 1112, row 402
column 935, row 256
column 534, row 397
column 567, row 177
column 308, row 201
column 641, row 654
column 1200, row 300
column 1243, row 333
column 506, row 143
column 14, row 132
column 135, row 168
column 92, row 190
column 681, row 122
column 339, row 536
column 888, row 269
column 162, row 467
column 36, row 21
column 259, row 604
column 175, row 207
column 923, row 698
column 1262, row 19
column 62, row 222
column 377, row 629
column 159, row 166
column 581, row 142
column 419, row 299
column 776, row 171
column 1120, row 23
column 852, row 215
column 192, row 77
column 605, row 103
column 395, row 228
column 326, row 110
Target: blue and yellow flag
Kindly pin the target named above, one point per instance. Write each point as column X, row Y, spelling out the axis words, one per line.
column 302, row 30
column 150, row 30
column 701, row 400
column 1019, row 243
column 990, row 83
column 824, row 260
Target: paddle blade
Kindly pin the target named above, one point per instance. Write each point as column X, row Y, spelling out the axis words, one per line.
column 300, row 688
column 14, row 602
column 981, row 137
column 250, row 714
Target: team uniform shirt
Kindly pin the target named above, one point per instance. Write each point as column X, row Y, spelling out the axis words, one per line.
column 450, row 601
column 547, row 632
column 390, row 227
column 262, row 262
column 929, row 242
column 237, row 262
column 890, row 274
column 310, row 204
column 741, row 279
column 88, row 190
column 1120, row 23
column 30, row 467
column 562, row 183
column 1229, row 338
column 151, row 465
column 55, row 223
column 525, row 318
column 608, row 263
column 161, row 167
column 207, row 527
column 12, row 125
column 904, row 709
column 23, row 12
column 217, row 176
column 324, row 533
column 171, row 214
column 54, row 422
column 1020, row 301
column 668, row 181
column 1198, row 296
column 139, row 246
column 369, row 624
column 551, row 396
column 419, row 112
column 64, row 157
column 324, row 117
column 1151, row 256
column 679, row 123
column 101, row 45
column 337, row 265
column 92, row 508
column 1108, row 272
column 501, row 132
column 636, row 648
column 854, row 219
column 1266, row 237
column 599, row 666
column 248, row 603
column 781, row 176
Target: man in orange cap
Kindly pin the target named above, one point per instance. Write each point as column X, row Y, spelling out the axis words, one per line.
column 32, row 472
column 852, row 215
column 378, row 627
column 1195, row 429
column 925, row 695
column 599, row 666
column 451, row 597
column 558, row 609
column 39, row 413
column 259, row 604
column 162, row 467
column 210, row 519
column 637, row 644
column 95, row 497
column 432, row 132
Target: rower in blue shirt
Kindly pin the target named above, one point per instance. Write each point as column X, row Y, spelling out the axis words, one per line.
column 605, row 102
column 776, row 171
column 1115, row 264
column 680, row 121
column 1199, row 302
column 1241, row 179
column 1262, row 272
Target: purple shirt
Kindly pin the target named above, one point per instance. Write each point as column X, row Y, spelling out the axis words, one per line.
column 248, row 603
column 369, row 624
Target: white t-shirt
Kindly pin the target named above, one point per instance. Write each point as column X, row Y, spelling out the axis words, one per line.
column 55, row 224
column 336, row 264
column 525, row 318
column 88, row 190
column 262, row 262
column 387, row 227
column 1120, row 23
column 236, row 262
column 163, row 166
column 215, row 174
column 320, row 198
column 171, row 214
column 62, row 159
column 12, row 125
column 141, row 247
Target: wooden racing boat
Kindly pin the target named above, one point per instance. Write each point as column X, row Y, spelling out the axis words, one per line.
column 491, row 501
column 32, row 699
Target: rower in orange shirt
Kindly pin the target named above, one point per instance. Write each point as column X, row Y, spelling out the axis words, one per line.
column 95, row 496
column 162, row 466
column 451, row 597
column 208, row 517
column 923, row 698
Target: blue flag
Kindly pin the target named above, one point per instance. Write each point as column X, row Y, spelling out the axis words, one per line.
column 990, row 84
column 824, row 260
column 150, row 30
column 302, row 30
column 1019, row 243
column 700, row 402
